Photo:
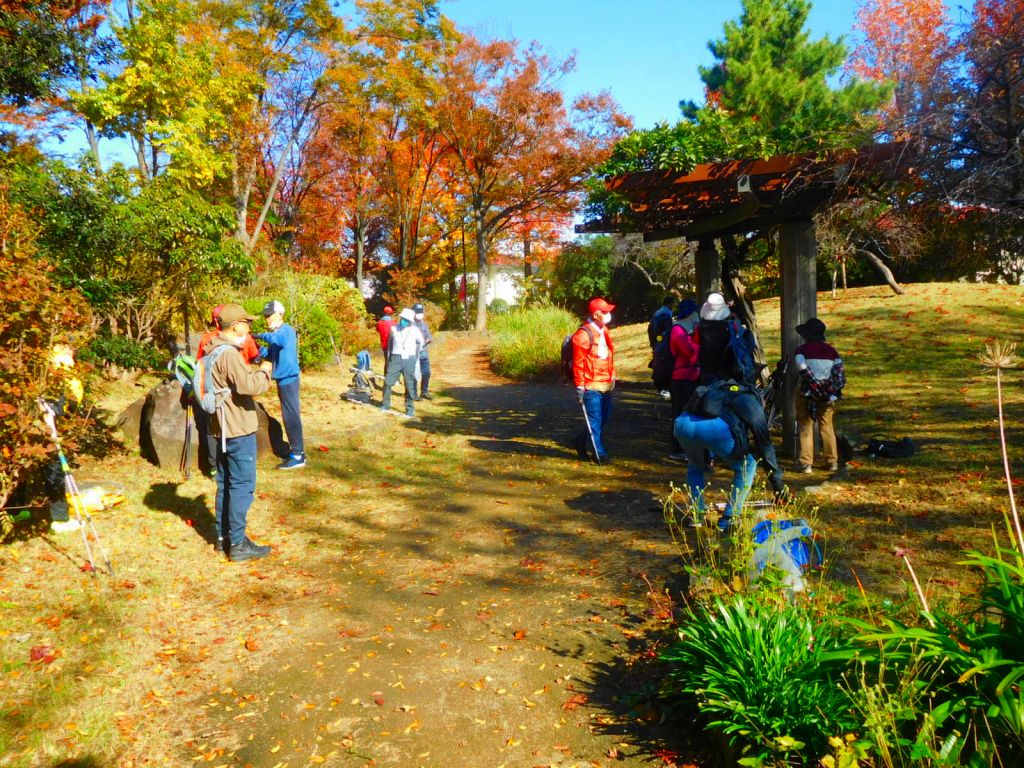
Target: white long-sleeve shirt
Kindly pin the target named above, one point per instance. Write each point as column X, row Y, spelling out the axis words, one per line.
column 405, row 342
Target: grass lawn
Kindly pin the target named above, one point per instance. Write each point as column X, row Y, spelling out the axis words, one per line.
column 157, row 665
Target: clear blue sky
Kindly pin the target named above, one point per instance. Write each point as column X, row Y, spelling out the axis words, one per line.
column 645, row 52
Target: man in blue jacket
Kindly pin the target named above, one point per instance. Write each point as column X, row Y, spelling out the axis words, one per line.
column 283, row 351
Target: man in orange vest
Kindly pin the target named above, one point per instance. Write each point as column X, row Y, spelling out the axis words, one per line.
column 593, row 373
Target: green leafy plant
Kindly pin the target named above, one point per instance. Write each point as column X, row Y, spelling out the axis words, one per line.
column 968, row 667
column 526, row 344
column 757, row 669
column 106, row 348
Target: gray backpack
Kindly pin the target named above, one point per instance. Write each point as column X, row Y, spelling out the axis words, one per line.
column 207, row 396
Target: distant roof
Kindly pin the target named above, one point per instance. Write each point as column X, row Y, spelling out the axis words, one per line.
column 717, row 199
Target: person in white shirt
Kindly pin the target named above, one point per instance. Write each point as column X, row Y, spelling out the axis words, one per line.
column 404, row 345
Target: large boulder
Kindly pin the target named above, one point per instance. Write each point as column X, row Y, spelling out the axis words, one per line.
column 156, row 423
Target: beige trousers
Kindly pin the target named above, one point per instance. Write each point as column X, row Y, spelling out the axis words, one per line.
column 805, row 426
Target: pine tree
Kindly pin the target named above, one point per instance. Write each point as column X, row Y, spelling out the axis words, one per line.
column 769, row 70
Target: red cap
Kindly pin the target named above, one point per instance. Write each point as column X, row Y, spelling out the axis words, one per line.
column 389, row 311
column 599, row 305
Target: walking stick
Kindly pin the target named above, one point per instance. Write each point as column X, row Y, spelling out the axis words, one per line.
column 73, row 496
column 593, row 442
column 185, row 464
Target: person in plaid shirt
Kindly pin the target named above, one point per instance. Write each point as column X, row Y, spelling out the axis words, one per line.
column 822, row 379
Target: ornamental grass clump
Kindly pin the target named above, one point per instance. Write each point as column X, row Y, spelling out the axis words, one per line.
column 758, row 670
column 527, row 344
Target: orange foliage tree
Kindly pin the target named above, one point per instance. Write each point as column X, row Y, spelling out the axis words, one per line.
column 516, row 147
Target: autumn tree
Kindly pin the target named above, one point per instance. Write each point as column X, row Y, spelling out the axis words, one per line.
column 516, row 147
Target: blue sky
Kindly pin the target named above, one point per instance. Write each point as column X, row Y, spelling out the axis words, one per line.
column 645, row 52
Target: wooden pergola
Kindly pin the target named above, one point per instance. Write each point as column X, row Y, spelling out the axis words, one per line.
column 716, row 200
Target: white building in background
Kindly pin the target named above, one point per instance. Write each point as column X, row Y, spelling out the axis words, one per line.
column 505, row 283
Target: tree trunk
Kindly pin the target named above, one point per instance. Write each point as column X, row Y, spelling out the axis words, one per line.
column 883, row 269
column 481, row 276
column 360, row 237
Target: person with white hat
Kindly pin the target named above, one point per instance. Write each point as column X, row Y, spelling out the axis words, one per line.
column 404, row 345
column 715, row 360
column 424, row 361
column 283, row 352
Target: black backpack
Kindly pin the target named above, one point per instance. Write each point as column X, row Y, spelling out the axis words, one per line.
column 891, row 448
column 567, row 353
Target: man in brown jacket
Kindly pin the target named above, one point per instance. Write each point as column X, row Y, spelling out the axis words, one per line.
column 235, row 427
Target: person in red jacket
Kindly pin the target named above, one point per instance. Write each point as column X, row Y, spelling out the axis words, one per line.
column 684, row 344
column 384, row 330
column 593, row 373
column 251, row 350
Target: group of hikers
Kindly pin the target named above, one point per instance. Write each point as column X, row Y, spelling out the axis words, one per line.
column 237, row 366
column 702, row 360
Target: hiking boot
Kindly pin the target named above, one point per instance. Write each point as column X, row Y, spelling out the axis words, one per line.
column 803, row 469
column 677, row 457
column 218, row 546
column 426, row 396
column 665, row 394
column 247, row 550
column 295, row 461
column 833, row 467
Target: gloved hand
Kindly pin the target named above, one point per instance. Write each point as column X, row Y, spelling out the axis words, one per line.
column 579, row 394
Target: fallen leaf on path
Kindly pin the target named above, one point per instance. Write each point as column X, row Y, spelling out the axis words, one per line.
column 252, row 644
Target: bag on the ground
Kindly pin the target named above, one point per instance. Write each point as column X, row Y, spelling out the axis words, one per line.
column 891, row 448
column 787, row 545
column 206, row 395
column 567, row 354
column 741, row 342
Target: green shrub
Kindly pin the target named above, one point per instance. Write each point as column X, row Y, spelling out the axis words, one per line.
column 498, row 307
column 527, row 344
column 107, row 348
column 760, row 674
column 321, row 309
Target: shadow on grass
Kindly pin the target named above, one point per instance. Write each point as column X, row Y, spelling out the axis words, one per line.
column 192, row 511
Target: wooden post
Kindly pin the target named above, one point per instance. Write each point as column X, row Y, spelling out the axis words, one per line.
column 798, row 247
column 708, row 265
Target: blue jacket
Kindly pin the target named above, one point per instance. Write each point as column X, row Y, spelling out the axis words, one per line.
column 283, row 352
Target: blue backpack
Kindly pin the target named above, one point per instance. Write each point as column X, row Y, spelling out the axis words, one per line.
column 741, row 342
column 363, row 360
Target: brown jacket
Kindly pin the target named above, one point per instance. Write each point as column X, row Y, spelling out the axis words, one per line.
column 231, row 370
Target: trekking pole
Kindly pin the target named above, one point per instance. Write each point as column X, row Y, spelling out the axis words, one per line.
column 593, row 442
column 73, row 495
column 185, row 464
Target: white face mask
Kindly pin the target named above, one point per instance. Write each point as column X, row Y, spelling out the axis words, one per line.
column 607, row 318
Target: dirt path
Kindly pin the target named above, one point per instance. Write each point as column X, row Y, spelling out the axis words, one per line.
column 489, row 616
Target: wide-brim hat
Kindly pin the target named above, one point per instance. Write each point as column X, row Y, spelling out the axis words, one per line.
column 715, row 308
column 407, row 314
column 812, row 330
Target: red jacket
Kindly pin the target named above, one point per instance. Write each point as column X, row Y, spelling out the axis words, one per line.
column 685, row 348
column 383, row 330
column 250, row 351
column 587, row 367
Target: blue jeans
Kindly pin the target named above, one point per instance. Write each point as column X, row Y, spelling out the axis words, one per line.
column 697, row 434
column 289, row 396
column 424, row 375
column 236, row 484
column 599, row 407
